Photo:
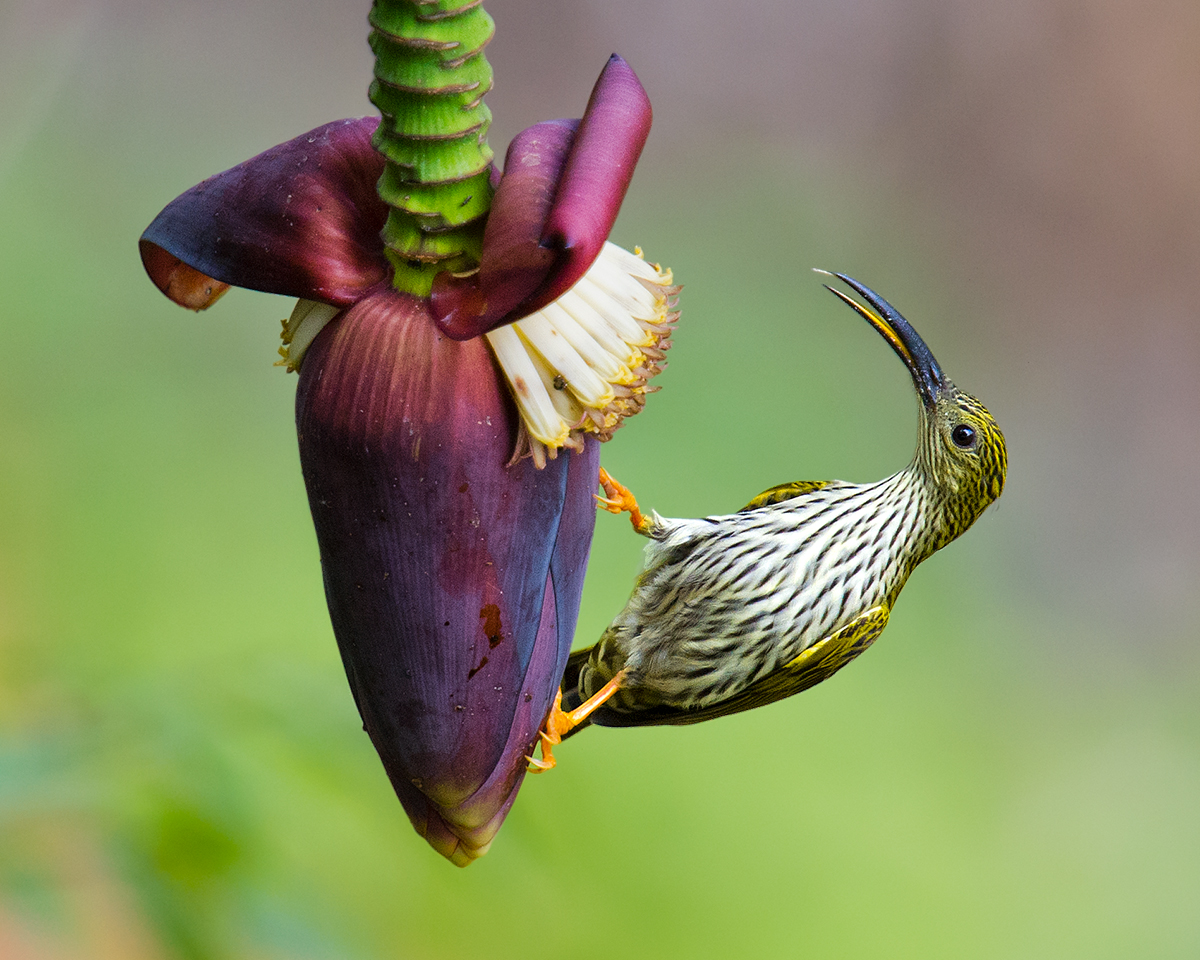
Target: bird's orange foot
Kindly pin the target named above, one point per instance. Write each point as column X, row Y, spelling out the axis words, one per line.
column 559, row 723
column 618, row 499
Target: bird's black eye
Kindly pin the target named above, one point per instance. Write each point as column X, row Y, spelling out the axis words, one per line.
column 963, row 436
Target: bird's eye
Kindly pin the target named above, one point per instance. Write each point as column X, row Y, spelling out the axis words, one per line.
column 963, row 436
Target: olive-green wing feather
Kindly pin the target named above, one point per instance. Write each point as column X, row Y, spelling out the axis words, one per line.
column 819, row 662
column 785, row 491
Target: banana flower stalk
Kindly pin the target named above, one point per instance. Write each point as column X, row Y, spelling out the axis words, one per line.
column 464, row 340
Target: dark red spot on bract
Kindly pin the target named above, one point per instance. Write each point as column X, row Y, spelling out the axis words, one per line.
column 493, row 629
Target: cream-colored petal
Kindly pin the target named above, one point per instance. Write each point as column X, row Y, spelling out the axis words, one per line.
column 628, row 291
column 630, row 263
column 533, row 400
column 607, row 366
column 614, row 314
column 580, row 365
column 301, row 328
column 596, row 326
column 565, row 359
column 566, row 404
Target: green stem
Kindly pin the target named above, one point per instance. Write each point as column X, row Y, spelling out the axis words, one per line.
column 430, row 79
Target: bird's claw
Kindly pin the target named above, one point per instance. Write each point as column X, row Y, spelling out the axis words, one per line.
column 619, row 499
column 546, row 763
column 612, row 506
column 550, row 736
column 558, row 722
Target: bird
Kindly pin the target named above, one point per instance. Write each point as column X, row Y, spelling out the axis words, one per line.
column 735, row 611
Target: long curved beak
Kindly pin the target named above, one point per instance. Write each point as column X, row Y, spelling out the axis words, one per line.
column 898, row 332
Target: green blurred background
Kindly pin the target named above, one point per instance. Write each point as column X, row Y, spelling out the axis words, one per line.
column 1012, row 772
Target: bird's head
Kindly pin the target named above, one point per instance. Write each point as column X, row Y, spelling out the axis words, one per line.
column 960, row 448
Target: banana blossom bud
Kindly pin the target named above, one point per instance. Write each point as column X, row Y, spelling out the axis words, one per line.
column 453, row 570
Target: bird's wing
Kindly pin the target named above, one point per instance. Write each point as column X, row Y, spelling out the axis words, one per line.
column 785, row 491
column 818, row 662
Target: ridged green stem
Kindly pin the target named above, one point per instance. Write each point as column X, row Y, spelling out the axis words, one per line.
column 430, row 79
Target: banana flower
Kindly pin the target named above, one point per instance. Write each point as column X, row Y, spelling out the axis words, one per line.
column 463, row 340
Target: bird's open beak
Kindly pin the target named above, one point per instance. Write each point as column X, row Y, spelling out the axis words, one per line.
column 901, row 337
